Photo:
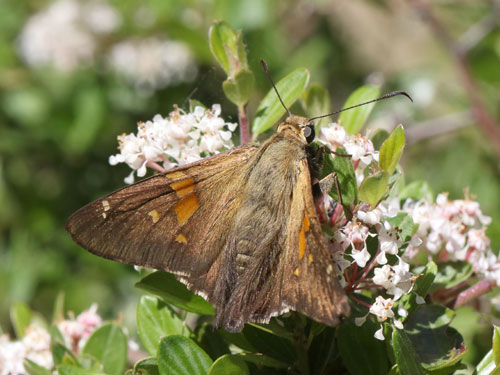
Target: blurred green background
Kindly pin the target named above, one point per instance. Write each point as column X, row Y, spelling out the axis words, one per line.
column 75, row 75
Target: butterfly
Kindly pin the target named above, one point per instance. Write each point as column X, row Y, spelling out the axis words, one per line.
column 239, row 228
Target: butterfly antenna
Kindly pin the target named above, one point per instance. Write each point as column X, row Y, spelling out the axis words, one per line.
column 266, row 69
column 386, row 96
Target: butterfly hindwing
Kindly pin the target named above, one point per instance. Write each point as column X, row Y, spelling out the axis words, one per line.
column 309, row 283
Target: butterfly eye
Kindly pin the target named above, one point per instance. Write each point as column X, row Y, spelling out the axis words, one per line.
column 309, row 133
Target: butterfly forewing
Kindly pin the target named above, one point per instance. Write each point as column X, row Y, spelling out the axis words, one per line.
column 170, row 222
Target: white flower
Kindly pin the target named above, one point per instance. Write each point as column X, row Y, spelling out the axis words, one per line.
column 370, row 217
column 178, row 139
column 379, row 334
column 361, row 257
column 12, row 354
column 333, row 135
column 37, row 344
column 64, row 35
column 382, row 309
column 397, row 280
column 151, row 64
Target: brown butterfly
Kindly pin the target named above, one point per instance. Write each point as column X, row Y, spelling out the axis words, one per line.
column 239, row 228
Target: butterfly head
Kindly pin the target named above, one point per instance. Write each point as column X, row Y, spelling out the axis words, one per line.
column 300, row 127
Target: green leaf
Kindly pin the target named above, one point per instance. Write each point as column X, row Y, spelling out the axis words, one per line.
column 178, row 355
column 270, row 109
column 322, row 349
column 270, row 344
column 378, row 137
column 228, row 48
column 354, row 119
column 62, row 355
column 424, row 283
column 108, row 344
column 274, row 328
column 229, row 364
column 438, row 346
column 20, row 316
column 496, row 345
column 155, row 319
column 373, row 188
column 361, row 353
column 487, row 365
column 406, row 357
column 404, row 224
column 211, row 340
column 316, row 102
column 417, row 190
column 392, row 149
column 422, row 286
column 239, row 88
column 220, row 35
column 75, row 370
column 451, row 273
column 146, row 366
column 260, row 360
column 34, row 369
column 172, row 291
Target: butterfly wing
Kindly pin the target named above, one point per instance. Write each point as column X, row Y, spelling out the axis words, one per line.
column 174, row 221
column 278, row 259
column 309, row 285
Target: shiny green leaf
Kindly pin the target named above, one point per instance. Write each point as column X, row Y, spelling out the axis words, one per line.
column 354, row 119
column 239, row 88
column 229, row 364
column 155, row 319
column 178, row 355
column 20, row 316
column 172, row 291
column 373, row 188
column 316, row 102
column 406, row 358
column 270, row 109
column 392, row 149
column 108, row 344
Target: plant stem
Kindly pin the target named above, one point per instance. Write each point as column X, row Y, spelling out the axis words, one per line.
column 244, row 129
column 474, row 291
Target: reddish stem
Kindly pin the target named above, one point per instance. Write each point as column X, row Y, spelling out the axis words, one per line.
column 155, row 166
column 244, row 129
column 483, row 286
column 359, row 301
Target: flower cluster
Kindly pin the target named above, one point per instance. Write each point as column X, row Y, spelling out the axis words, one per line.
column 152, row 64
column 69, row 34
column 456, row 231
column 447, row 230
column 178, row 139
column 359, row 147
column 64, row 35
column 35, row 345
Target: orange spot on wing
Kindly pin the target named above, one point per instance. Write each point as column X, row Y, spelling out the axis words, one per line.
column 310, row 258
column 154, row 215
column 181, row 238
column 182, row 187
column 302, row 243
column 296, row 271
column 306, row 224
column 185, row 208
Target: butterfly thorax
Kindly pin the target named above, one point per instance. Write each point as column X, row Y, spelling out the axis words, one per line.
column 293, row 126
